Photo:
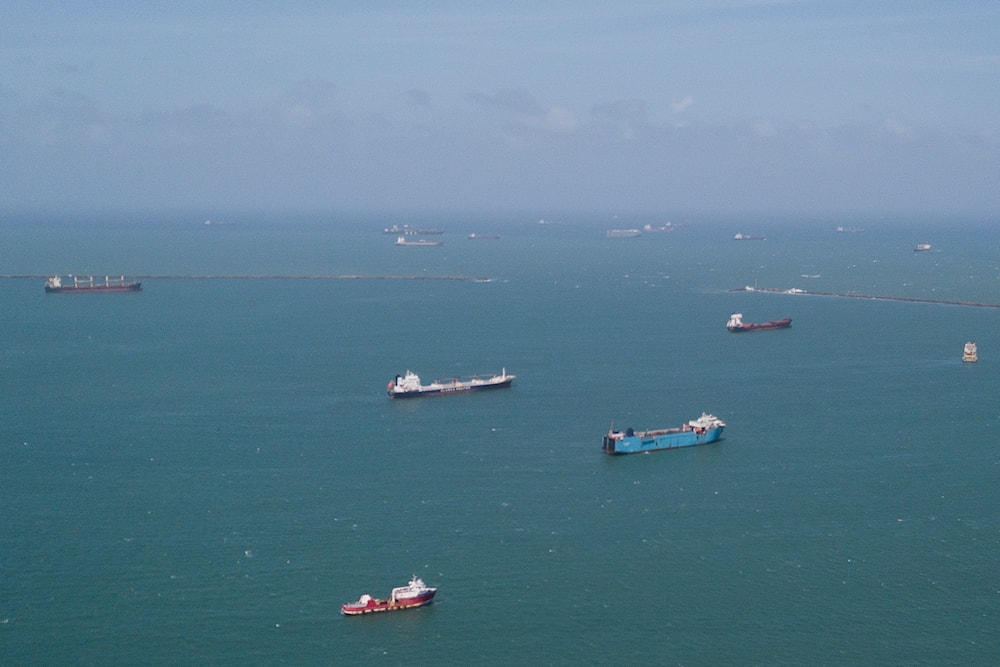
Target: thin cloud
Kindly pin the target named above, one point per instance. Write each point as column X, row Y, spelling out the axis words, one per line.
column 682, row 106
column 622, row 110
column 527, row 111
column 896, row 128
column 417, row 98
column 554, row 119
column 513, row 101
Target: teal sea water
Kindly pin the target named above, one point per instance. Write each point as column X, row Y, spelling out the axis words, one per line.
column 201, row 473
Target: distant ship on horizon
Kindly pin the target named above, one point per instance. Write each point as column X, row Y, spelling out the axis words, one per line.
column 402, row 240
column 89, row 286
column 669, row 227
column 410, row 231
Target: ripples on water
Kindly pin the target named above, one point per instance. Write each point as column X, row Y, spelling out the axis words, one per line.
column 203, row 472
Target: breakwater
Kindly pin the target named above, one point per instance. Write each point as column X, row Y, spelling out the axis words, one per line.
column 874, row 297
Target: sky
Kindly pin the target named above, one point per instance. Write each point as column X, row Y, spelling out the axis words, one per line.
column 671, row 108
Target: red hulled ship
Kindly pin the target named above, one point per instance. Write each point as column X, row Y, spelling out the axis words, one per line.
column 414, row 594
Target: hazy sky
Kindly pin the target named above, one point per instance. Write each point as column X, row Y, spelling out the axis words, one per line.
column 684, row 107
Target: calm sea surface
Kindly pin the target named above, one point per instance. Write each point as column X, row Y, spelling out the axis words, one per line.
column 201, row 473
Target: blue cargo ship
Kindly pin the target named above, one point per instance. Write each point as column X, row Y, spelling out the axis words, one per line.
column 700, row 431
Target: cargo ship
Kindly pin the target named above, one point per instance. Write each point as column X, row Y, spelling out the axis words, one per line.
column 410, row 231
column 970, row 354
column 405, row 386
column 89, row 285
column 736, row 324
column 701, row 431
column 413, row 595
column 669, row 227
column 402, row 240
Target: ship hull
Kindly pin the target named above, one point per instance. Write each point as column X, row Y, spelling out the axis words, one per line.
column 95, row 289
column 378, row 606
column 651, row 442
column 455, row 388
column 761, row 326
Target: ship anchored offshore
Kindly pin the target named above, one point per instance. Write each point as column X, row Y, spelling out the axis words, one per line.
column 701, row 431
column 414, row 594
column 408, row 385
column 89, row 286
column 737, row 325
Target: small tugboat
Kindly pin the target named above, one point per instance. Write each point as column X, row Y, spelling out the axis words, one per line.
column 413, row 595
column 89, row 286
column 970, row 354
column 736, row 324
column 700, row 431
column 408, row 385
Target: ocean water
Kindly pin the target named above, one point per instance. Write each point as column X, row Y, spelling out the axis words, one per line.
column 201, row 473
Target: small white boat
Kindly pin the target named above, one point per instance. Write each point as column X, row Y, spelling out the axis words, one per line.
column 970, row 354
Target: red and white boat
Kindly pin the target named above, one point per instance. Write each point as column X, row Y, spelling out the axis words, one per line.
column 414, row 594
